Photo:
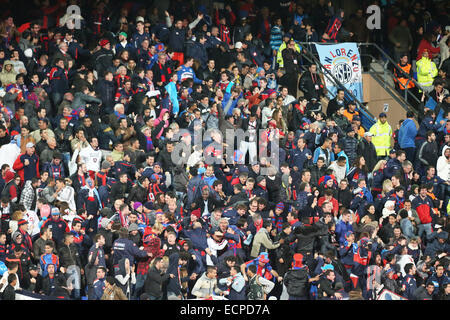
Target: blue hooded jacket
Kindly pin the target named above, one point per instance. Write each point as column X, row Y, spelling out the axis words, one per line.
column 407, row 134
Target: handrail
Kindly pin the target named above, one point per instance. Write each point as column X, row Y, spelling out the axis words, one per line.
column 395, row 64
column 388, row 60
column 336, row 81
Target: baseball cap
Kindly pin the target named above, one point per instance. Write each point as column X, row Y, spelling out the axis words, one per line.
column 263, row 257
column 140, row 19
column 104, row 42
column 368, row 134
column 238, row 45
column 55, row 212
column 30, row 145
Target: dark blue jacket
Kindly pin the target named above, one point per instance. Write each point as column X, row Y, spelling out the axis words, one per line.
column 426, row 125
column 341, row 229
column 297, row 157
column 59, row 81
column 125, row 248
column 198, row 51
column 174, row 284
column 137, row 39
column 393, row 166
column 435, row 246
column 346, row 253
column 106, row 91
column 176, row 39
column 30, row 171
column 98, row 289
column 410, row 285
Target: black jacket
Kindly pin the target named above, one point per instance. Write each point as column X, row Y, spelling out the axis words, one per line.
column 296, row 282
column 102, row 60
column 308, row 83
column 333, row 106
column 137, row 194
column 119, row 190
column 69, row 255
column 306, row 236
column 9, row 293
column 316, row 174
column 106, row 91
column 33, row 287
column 290, row 56
column 165, row 158
column 154, row 281
column 274, row 189
column 325, row 286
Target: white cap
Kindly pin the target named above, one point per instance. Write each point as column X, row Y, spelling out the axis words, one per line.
column 139, row 19
column 238, row 45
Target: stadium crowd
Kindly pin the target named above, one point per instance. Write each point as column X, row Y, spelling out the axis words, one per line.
column 111, row 190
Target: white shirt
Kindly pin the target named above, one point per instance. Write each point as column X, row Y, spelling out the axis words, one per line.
column 92, row 158
column 214, row 246
column 33, row 222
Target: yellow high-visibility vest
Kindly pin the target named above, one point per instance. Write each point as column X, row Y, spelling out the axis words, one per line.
column 381, row 139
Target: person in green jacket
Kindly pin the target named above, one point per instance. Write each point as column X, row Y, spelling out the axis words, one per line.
column 426, row 72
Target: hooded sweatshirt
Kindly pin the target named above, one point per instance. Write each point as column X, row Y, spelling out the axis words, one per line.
column 8, row 77
column 443, row 166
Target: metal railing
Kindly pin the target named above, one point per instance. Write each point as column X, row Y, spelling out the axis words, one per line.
column 405, row 98
column 389, row 64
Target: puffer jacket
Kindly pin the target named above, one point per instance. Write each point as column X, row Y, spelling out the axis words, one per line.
column 350, row 148
column 296, row 282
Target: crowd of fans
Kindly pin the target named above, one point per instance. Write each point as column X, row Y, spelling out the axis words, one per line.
column 106, row 192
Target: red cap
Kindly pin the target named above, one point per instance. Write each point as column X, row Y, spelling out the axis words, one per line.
column 104, row 42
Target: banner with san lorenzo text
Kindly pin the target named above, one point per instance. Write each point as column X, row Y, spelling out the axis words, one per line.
column 344, row 63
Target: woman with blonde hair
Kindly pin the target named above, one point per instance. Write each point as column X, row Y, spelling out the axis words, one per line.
column 387, row 186
column 377, row 178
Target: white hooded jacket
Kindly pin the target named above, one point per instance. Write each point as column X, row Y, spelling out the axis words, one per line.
column 443, row 166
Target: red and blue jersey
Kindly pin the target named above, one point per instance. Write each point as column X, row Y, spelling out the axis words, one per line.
column 47, row 259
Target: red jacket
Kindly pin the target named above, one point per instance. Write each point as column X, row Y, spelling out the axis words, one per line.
column 432, row 51
column 333, row 201
column 18, row 166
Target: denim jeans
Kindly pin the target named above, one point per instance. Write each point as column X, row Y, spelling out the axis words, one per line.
column 424, row 228
column 140, row 280
column 73, row 277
